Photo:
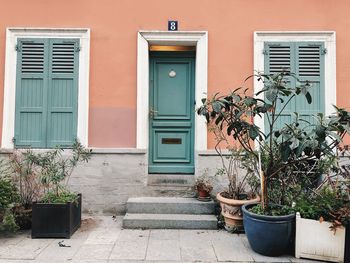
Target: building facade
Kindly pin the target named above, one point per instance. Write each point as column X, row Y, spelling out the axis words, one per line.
column 114, row 75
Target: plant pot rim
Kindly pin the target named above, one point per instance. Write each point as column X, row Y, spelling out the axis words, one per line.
column 266, row 217
column 300, row 218
column 42, row 203
column 236, row 202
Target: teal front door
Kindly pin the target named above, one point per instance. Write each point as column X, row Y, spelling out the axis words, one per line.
column 171, row 114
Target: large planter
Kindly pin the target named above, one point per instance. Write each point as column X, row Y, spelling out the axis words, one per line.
column 56, row 220
column 269, row 235
column 314, row 240
column 231, row 210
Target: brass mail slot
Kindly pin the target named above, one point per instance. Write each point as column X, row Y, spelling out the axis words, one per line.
column 171, row 141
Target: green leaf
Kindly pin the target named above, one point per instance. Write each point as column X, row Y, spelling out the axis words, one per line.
column 285, row 151
column 308, row 97
column 253, row 132
column 216, row 106
column 271, row 95
column 219, row 119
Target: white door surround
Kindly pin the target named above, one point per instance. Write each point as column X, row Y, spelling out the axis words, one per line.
column 185, row 38
column 329, row 40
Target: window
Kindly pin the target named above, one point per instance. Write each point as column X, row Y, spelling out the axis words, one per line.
column 51, row 62
column 46, row 92
column 306, row 61
column 297, row 43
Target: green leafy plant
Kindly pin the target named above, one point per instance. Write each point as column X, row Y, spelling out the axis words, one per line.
column 330, row 200
column 55, row 166
column 8, row 193
column 204, row 182
column 285, row 150
column 25, row 175
column 232, row 160
column 64, row 196
column 8, row 198
column 8, row 222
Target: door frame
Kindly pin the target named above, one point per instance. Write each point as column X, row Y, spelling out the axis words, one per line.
column 187, row 38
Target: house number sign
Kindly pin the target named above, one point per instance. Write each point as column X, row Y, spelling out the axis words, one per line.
column 172, row 25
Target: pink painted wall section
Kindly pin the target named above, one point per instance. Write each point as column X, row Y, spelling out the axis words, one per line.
column 114, row 24
column 113, row 126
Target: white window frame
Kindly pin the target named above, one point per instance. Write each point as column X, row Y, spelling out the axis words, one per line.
column 12, row 35
column 188, row 38
column 329, row 40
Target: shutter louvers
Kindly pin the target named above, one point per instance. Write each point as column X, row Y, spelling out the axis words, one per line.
column 32, row 57
column 63, row 57
column 279, row 59
column 309, row 61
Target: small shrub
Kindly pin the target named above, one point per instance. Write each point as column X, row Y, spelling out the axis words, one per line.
column 8, row 198
column 8, row 222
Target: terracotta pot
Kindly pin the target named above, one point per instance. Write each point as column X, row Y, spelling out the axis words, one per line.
column 231, row 210
column 203, row 194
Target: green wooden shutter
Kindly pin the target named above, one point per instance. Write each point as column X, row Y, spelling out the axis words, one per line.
column 279, row 57
column 31, row 94
column 62, row 92
column 310, row 66
column 306, row 60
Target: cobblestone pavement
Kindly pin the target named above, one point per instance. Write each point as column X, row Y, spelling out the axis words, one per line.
column 101, row 239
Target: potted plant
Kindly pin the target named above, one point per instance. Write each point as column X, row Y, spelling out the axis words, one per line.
column 284, row 152
column 323, row 216
column 241, row 189
column 204, row 185
column 58, row 214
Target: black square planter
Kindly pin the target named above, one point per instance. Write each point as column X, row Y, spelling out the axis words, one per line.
column 56, row 220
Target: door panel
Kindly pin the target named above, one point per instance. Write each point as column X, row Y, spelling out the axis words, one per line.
column 175, row 90
column 171, row 146
column 171, row 114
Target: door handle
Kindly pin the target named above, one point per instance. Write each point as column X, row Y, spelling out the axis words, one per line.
column 152, row 112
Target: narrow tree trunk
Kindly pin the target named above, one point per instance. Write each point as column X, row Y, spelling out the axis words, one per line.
column 263, row 190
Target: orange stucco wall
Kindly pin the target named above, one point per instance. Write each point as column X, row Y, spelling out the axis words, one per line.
column 114, row 23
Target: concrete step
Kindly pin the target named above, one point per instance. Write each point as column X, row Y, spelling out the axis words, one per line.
column 171, row 191
column 169, row 205
column 169, row 221
column 170, row 179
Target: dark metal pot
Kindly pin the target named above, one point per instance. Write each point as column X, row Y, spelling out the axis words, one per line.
column 269, row 235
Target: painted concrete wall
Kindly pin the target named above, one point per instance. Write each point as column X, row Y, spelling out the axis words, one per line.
column 114, row 24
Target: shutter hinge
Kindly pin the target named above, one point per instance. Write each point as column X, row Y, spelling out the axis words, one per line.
column 324, row 51
column 14, row 140
column 265, row 52
column 17, row 47
column 77, row 49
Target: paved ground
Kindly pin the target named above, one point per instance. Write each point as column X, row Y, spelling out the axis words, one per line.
column 102, row 240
